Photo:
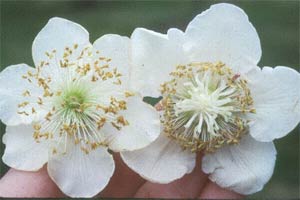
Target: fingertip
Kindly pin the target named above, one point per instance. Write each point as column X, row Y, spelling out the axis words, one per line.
column 124, row 182
column 189, row 186
column 17, row 183
column 159, row 106
column 213, row 191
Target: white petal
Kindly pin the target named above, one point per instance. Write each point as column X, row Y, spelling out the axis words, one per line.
column 12, row 86
column 143, row 128
column 162, row 161
column 223, row 33
column 79, row 174
column 58, row 34
column 154, row 56
column 276, row 95
column 116, row 48
column 105, row 90
column 22, row 152
column 176, row 35
column 244, row 168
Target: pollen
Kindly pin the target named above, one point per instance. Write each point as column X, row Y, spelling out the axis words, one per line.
column 76, row 107
column 204, row 106
column 26, row 93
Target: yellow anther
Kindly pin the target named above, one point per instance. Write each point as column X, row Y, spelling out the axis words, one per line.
column 85, row 150
column 94, row 78
column 37, row 127
column 116, row 126
column 105, row 67
column 100, row 123
column 54, row 151
column 33, row 110
column 23, row 113
column 118, row 82
column 121, row 120
column 26, row 93
column 23, row 104
column 129, row 94
column 47, row 93
column 48, row 116
column 122, row 105
column 40, row 101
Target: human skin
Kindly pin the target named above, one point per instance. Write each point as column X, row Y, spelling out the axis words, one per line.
column 124, row 183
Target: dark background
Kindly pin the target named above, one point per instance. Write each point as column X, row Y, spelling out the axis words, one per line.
column 277, row 23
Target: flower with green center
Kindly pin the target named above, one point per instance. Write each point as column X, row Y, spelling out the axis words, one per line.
column 74, row 106
column 215, row 99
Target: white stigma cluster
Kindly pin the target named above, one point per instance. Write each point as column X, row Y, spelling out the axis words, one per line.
column 77, row 98
column 204, row 106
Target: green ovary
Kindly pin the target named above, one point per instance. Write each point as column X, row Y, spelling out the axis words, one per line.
column 74, row 99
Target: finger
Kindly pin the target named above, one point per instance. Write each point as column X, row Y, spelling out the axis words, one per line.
column 159, row 106
column 17, row 183
column 124, row 182
column 213, row 191
column 187, row 187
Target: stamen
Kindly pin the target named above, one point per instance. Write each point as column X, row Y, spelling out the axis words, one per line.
column 204, row 106
column 74, row 111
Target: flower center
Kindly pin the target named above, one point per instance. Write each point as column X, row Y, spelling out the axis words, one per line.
column 205, row 106
column 73, row 100
column 86, row 95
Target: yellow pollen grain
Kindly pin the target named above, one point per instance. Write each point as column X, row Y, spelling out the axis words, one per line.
column 186, row 72
column 85, row 150
column 24, row 104
column 101, row 70
column 121, row 120
column 129, row 94
column 54, row 151
column 48, row 116
column 26, row 93
column 33, row 110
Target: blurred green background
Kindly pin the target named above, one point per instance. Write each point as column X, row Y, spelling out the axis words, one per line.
column 277, row 23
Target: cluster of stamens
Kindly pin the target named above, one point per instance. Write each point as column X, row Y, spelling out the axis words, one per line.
column 204, row 106
column 73, row 107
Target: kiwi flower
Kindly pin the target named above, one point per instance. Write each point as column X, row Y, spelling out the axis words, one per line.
column 72, row 108
column 215, row 99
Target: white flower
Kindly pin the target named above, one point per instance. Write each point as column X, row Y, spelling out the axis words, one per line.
column 215, row 99
column 72, row 107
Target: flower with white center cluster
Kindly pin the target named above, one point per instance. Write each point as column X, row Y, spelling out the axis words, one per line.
column 214, row 99
column 72, row 107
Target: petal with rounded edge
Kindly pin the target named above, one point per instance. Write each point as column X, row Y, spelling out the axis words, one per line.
column 154, row 56
column 56, row 35
column 79, row 174
column 22, row 152
column 143, row 128
column 162, row 161
column 223, row 33
column 116, row 48
column 276, row 96
column 175, row 35
column 244, row 168
column 12, row 89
